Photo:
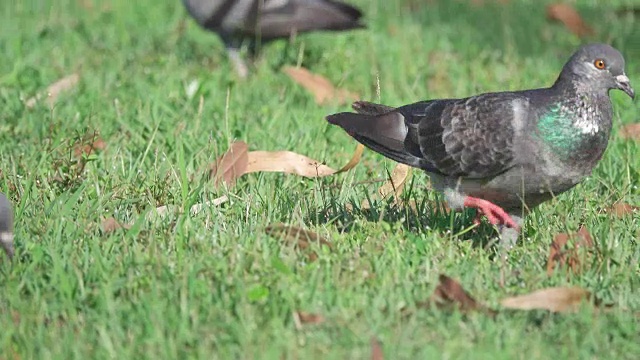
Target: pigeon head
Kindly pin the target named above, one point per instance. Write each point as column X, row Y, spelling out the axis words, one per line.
column 598, row 67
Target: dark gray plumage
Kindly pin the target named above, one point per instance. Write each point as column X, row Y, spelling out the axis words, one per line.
column 260, row 21
column 503, row 153
column 6, row 226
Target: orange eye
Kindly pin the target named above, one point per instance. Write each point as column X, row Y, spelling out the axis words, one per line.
column 599, row 64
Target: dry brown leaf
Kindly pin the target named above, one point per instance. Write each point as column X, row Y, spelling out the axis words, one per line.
column 376, row 349
column 298, row 237
column 558, row 299
column 322, row 89
column 237, row 162
column 396, row 183
column 630, row 132
column 623, row 209
column 309, row 318
column 450, row 294
column 110, row 225
column 231, row 165
column 570, row 18
column 562, row 254
column 197, row 208
column 54, row 90
column 87, row 146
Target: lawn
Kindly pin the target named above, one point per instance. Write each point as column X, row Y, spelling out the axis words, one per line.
column 162, row 96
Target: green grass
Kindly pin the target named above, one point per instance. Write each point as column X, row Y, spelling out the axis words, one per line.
column 215, row 285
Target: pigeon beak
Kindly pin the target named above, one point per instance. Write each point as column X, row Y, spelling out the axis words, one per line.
column 625, row 85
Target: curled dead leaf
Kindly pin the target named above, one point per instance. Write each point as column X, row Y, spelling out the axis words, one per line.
column 393, row 186
column 620, row 209
column 558, row 299
column 570, row 17
column 630, row 132
column 300, row 238
column 376, row 349
column 322, row 89
column 450, row 294
column 110, row 225
column 396, row 182
column 55, row 90
column 573, row 255
column 237, row 162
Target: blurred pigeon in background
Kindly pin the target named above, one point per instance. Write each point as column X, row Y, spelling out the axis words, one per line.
column 259, row 21
column 503, row 153
column 6, row 225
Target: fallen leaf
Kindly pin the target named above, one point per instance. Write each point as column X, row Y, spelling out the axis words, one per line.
column 309, row 318
column 298, row 237
column 231, row 165
column 450, row 294
column 376, row 349
column 301, row 318
column 237, row 162
column 630, row 132
column 570, row 18
column 322, row 89
column 558, row 299
column 88, row 145
column 562, row 254
column 623, row 209
column 110, row 225
column 396, row 182
column 197, row 208
column 54, row 90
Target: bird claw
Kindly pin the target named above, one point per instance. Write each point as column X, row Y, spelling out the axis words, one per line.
column 494, row 213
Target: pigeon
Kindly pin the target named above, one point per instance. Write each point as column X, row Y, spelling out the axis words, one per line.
column 6, row 226
column 503, row 153
column 261, row 21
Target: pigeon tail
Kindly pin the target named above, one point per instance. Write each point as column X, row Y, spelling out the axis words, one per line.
column 384, row 134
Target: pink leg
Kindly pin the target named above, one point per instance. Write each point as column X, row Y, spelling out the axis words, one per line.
column 494, row 213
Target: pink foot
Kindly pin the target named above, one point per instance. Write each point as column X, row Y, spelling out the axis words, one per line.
column 491, row 211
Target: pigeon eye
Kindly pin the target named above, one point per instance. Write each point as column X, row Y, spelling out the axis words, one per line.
column 599, row 64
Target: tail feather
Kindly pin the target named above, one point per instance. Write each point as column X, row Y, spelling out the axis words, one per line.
column 384, row 134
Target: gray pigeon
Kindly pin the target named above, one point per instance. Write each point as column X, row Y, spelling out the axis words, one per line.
column 6, row 225
column 260, row 21
column 503, row 153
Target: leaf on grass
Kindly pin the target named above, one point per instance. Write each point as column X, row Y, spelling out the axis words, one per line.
column 301, row 318
column 163, row 211
column 393, row 186
column 562, row 254
column 197, row 208
column 620, row 209
column 322, row 89
column 55, row 90
column 558, row 299
column 298, row 237
column 231, row 165
column 376, row 349
column 396, row 183
column 110, row 225
column 88, row 145
column 237, row 162
column 630, row 132
column 570, row 18
column 450, row 294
